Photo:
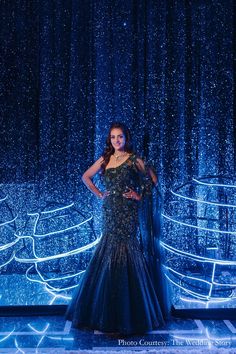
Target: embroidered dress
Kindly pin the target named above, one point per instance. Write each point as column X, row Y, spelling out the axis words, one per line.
column 116, row 292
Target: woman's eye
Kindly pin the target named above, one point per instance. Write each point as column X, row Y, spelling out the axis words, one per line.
column 119, row 137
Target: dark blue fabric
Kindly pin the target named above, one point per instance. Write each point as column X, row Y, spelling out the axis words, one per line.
column 150, row 229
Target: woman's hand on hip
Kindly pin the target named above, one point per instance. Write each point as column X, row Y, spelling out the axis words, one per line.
column 104, row 194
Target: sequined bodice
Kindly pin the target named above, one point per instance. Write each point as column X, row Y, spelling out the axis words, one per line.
column 120, row 214
column 119, row 179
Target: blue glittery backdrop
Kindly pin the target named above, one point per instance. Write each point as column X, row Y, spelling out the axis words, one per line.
column 70, row 68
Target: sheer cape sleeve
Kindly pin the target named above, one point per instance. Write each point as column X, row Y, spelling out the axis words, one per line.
column 150, row 210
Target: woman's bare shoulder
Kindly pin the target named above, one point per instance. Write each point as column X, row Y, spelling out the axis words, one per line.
column 100, row 160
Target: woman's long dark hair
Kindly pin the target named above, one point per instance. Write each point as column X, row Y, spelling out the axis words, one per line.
column 109, row 150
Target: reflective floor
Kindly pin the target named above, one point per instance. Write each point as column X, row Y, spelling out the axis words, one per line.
column 52, row 334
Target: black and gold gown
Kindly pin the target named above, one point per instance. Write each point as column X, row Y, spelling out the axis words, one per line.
column 116, row 292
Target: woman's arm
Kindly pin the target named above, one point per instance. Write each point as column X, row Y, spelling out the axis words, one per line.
column 148, row 177
column 146, row 170
column 88, row 175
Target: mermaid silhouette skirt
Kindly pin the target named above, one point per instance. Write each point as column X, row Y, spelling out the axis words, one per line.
column 116, row 293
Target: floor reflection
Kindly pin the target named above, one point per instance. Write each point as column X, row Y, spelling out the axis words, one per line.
column 52, row 334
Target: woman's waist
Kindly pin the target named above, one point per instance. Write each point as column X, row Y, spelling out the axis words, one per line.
column 119, row 189
column 115, row 192
column 116, row 197
column 118, row 192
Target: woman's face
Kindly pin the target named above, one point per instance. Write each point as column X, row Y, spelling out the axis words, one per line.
column 118, row 139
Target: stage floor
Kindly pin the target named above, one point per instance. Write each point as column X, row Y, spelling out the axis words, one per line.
column 52, row 334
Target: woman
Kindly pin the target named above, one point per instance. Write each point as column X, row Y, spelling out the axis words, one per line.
column 116, row 293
